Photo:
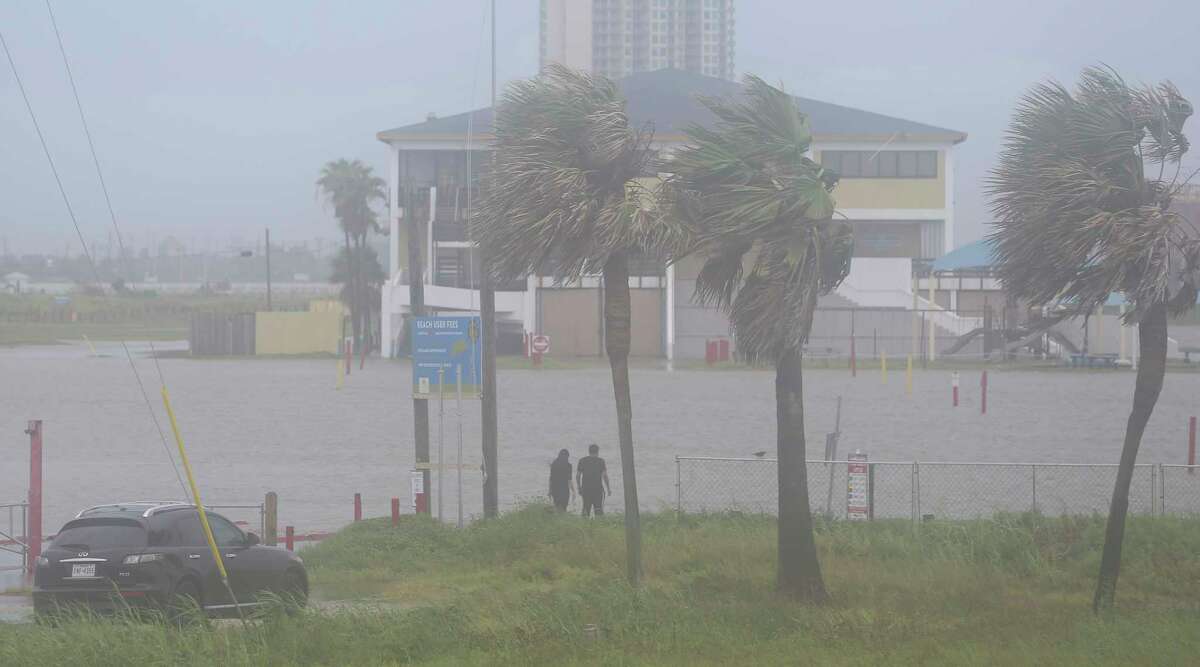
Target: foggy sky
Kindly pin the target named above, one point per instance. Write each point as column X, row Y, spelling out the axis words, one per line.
column 212, row 118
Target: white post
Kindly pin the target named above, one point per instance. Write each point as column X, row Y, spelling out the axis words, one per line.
column 670, row 312
column 429, row 236
column 1124, row 336
column 441, row 437
column 458, row 407
column 393, row 212
column 932, row 323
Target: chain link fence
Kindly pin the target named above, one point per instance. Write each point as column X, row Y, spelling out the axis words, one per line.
column 913, row 490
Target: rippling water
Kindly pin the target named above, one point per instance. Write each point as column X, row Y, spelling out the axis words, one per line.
column 254, row 426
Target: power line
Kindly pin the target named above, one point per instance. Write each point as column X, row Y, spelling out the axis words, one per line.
column 83, row 244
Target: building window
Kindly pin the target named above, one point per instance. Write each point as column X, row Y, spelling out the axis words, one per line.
column 881, row 164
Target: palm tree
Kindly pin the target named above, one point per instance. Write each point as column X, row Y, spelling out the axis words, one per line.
column 364, row 262
column 563, row 200
column 758, row 211
column 1078, row 218
column 352, row 188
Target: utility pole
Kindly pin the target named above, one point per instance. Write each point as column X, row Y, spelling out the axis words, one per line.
column 269, row 269
column 487, row 314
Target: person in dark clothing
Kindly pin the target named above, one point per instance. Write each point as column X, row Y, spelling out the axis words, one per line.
column 592, row 477
column 561, row 486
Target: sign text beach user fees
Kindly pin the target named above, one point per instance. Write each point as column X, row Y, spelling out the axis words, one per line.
column 448, row 344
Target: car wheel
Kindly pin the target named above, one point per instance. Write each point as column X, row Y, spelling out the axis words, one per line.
column 184, row 606
column 295, row 590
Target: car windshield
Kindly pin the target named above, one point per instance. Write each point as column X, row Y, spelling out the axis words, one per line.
column 98, row 534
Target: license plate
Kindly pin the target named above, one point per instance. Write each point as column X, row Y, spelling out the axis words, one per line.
column 88, row 570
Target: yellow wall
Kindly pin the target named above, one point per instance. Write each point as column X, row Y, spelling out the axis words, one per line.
column 327, row 306
column 892, row 192
column 297, row 332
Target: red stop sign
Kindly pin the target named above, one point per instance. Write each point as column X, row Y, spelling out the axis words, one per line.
column 540, row 344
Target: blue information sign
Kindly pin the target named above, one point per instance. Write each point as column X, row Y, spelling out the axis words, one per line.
column 446, row 344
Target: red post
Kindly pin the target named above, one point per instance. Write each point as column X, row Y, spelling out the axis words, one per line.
column 289, row 538
column 358, row 507
column 853, row 358
column 954, row 385
column 1192, row 444
column 395, row 512
column 422, row 503
column 983, row 394
column 33, row 533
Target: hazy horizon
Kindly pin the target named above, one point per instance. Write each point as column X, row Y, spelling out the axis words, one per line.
column 212, row 119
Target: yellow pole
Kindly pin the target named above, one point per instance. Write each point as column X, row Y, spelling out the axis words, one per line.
column 90, row 346
column 187, row 469
column 908, row 377
column 341, row 374
column 883, row 366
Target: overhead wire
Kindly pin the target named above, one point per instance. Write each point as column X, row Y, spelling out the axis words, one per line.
column 83, row 244
column 96, row 274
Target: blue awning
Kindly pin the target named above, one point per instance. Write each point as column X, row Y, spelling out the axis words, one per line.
column 977, row 255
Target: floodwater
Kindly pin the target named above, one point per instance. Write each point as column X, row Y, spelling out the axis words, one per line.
column 258, row 425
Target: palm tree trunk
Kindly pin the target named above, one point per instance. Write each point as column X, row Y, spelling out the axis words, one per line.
column 351, row 273
column 1152, row 345
column 617, row 342
column 799, row 574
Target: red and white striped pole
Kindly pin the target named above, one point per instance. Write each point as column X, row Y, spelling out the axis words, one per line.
column 33, row 533
column 1192, row 444
column 983, row 394
column 954, row 387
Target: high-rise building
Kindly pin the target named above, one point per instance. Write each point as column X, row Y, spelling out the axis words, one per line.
column 617, row 38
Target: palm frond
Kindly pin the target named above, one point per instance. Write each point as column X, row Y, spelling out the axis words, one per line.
column 1077, row 218
column 744, row 197
column 562, row 195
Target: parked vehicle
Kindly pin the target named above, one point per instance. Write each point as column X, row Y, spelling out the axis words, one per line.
column 154, row 555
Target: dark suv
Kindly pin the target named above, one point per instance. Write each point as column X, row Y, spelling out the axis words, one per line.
column 154, row 554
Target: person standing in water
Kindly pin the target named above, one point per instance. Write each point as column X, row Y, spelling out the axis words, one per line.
column 561, row 486
column 592, row 477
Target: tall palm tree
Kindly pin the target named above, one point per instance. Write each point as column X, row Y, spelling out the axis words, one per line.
column 758, row 211
column 1078, row 217
column 352, row 188
column 563, row 200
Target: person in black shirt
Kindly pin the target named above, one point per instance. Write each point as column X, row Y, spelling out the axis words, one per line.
column 592, row 477
column 561, row 486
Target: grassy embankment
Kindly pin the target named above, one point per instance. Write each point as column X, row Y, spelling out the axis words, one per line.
column 1013, row 590
column 37, row 319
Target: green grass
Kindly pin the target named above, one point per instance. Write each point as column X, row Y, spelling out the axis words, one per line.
column 1014, row 590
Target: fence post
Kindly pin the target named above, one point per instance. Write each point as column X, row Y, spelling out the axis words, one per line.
column 395, row 512
column 33, row 531
column 1033, row 468
column 358, row 507
column 916, row 493
column 271, row 519
column 289, row 538
column 1153, row 487
column 1162, row 490
column 678, row 490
